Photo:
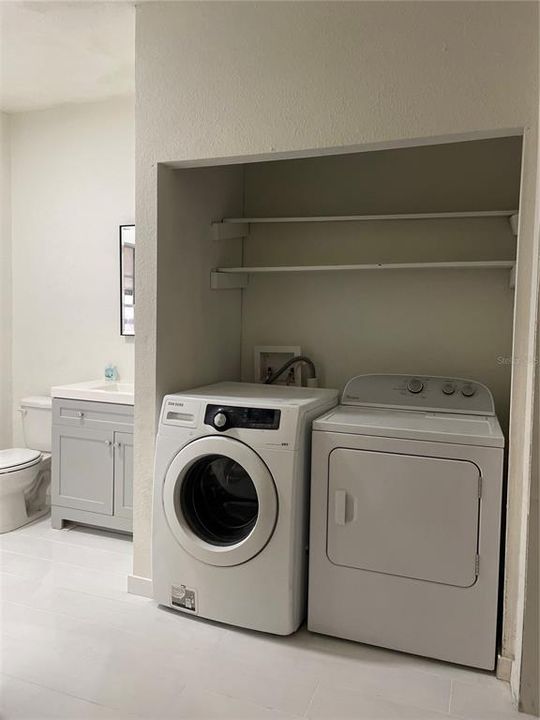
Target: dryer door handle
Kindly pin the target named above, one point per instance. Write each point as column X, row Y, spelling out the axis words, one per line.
column 340, row 507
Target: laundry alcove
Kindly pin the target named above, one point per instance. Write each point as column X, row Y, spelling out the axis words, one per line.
column 443, row 307
column 222, row 281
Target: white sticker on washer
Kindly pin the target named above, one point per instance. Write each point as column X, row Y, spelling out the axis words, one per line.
column 184, row 597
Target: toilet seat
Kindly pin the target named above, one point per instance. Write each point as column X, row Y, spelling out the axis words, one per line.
column 18, row 459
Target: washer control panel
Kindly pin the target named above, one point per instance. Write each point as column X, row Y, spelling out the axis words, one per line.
column 224, row 417
column 420, row 392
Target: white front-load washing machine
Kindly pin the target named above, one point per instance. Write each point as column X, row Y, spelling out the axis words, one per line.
column 231, row 503
column 405, row 517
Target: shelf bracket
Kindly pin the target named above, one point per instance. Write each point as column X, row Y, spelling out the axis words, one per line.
column 229, row 230
column 228, row 281
column 514, row 222
column 512, row 279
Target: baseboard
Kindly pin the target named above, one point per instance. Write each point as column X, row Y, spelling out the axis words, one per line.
column 504, row 668
column 137, row 585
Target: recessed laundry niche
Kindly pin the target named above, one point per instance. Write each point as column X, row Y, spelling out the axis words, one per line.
column 446, row 309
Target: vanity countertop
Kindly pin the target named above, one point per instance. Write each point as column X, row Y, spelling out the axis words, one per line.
column 97, row 391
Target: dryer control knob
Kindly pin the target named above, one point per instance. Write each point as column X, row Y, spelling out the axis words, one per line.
column 220, row 421
column 468, row 390
column 415, row 385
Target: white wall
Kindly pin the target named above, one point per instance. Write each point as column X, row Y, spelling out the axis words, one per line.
column 5, row 281
column 72, row 186
column 198, row 329
column 234, row 79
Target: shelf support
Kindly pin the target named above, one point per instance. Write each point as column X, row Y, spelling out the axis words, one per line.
column 229, row 230
column 228, row 281
column 512, row 279
column 514, row 222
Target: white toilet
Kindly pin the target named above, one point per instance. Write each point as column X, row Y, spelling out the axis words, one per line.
column 25, row 473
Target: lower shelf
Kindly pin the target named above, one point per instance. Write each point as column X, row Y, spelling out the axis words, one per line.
column 237, row 277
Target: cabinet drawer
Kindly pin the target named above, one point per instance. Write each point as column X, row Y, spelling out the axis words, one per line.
column 79, row 413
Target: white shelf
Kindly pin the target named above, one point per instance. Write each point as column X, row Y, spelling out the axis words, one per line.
column 237, row 277
column 370, row 218
column 458, row 265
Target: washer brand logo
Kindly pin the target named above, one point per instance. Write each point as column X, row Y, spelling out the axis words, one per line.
column 175, row 403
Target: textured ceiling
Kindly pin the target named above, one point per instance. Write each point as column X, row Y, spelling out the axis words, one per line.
column 64, row 52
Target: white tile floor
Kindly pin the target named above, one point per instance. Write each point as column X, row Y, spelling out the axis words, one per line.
column 76, row 645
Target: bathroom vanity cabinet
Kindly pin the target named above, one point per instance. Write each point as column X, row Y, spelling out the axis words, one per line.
column 92, row 464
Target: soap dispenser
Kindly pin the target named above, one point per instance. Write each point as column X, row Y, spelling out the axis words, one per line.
column 111, row 372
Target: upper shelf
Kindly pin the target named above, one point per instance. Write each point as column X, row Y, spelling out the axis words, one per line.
column 398, row 216
column 235, row 227
column 445, row 265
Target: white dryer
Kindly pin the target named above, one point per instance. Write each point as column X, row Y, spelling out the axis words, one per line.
column 405, row 517
column 230, row 509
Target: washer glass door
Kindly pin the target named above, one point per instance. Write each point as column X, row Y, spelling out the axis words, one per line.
column 220, row 500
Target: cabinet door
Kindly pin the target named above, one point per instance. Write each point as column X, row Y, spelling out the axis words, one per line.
column 83, row 469
column 123, row 474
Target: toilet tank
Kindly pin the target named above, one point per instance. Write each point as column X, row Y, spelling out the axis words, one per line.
column 36, row 415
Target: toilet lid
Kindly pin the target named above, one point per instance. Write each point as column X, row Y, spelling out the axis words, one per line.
column 15, row 458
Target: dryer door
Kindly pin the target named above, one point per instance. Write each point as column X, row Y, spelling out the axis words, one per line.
column 406, row 515
column 220, row 501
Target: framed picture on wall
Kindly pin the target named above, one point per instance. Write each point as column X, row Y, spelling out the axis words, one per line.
column 127, row 279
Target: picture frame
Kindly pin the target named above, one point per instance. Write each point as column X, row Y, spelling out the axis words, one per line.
column 127, row 280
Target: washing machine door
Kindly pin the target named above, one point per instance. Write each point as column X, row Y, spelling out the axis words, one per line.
column 220, row 501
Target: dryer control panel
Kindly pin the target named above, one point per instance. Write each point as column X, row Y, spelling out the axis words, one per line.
column 419, row 392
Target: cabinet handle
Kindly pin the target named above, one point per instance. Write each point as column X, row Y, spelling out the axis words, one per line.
column 108, row 443
column 80, row 414
column 117, row 444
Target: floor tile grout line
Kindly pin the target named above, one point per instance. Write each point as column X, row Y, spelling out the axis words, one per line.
column 310, row 703
column 83, row 592
column 70, row 589
column 64, row 562
column 450, row 696
column 247, row 701
column 137, row 600
column 79, row 546
column 91, row 654
column 63, row 692
column 419, row 672
column 129, row 633
column 441, row 674
column 379, row 695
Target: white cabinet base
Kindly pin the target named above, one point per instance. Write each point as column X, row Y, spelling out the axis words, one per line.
column 109, row 522
column 92, row 464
